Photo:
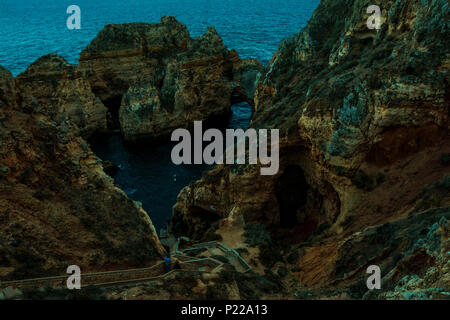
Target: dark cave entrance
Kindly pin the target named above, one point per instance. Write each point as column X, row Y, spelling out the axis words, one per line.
column 113, row 106
column 291, row 191
column 207, row 216
column 198, row 224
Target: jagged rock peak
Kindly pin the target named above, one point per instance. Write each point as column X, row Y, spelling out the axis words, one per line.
column 138, row 36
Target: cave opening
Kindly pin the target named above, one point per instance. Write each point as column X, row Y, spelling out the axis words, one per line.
column 291, row 191
column 113, row 105
column 207, row 216
column 199, row 222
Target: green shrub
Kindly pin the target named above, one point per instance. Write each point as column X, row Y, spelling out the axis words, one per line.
column 380, row 178
column 445, row 158
column 269, row 255
column 347, row 221
column 211, row 235
column 257, row 235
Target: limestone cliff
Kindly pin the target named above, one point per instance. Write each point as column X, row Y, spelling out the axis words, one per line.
column 155, row 78
column 57, row 206
column 364, row 122
column 53, row 87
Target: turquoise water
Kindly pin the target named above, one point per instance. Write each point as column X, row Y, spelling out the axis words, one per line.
column 148, row 175
column 30, row 29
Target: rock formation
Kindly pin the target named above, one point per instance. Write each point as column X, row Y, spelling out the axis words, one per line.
column 57, row 206
column 155, row 78
column 364, row 124
column 363, row 180
column 56, row 89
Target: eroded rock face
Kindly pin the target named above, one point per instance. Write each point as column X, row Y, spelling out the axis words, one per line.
column 246, row 75
column 155, row 78
column 57, row 206
column 53, row 87
column 363, row 116
column 7, row 88
column 129, row 54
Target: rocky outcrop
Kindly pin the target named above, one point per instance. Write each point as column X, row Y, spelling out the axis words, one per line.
column 423, row 270
column 8, row 95
column 155, row 78
column 53, row 87
column 246, row 74
column 57, row 206
column 364, row 120
column 147, row 79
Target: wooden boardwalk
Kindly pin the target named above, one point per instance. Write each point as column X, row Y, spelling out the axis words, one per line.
column 207, row 261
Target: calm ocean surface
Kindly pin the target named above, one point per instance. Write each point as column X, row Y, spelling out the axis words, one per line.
column 30, row 29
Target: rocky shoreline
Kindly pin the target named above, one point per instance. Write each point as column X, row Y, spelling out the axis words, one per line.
column 156, row 78
column 363, row 180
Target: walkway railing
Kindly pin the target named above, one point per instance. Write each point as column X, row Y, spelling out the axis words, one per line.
column 131, row 276
column 221, row 246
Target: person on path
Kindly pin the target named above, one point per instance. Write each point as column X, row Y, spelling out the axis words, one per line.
column 167, row 263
